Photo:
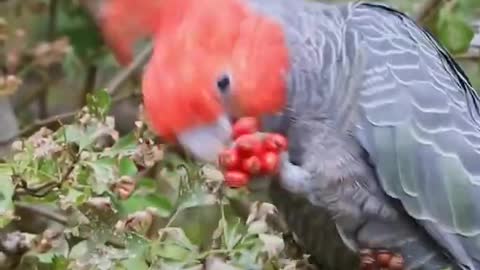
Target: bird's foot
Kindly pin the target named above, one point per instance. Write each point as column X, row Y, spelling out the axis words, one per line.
column 380, row 259
column 293, row 177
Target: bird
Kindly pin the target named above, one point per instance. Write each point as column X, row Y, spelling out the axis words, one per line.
column 382, row 122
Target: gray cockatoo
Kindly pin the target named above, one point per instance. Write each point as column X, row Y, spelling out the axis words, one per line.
column 383, row 125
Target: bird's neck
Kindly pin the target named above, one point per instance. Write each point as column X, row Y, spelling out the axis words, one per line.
column 322, row 71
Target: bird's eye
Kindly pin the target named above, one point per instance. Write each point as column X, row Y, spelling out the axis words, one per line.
column 223, row 83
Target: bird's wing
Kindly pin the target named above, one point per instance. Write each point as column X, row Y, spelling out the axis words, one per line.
column 419, row 122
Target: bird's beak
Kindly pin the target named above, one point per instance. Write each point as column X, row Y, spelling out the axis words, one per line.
column 206, row 142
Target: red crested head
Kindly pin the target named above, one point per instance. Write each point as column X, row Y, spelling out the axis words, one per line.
column 212, row 59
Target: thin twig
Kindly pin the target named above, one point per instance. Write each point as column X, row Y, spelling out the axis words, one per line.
column 51, row 32
column 62, row 118
column 45, row 189
column 46, row 122
column 242, row 206
column 89, row 82
column 427, row 10
column 93, row 7
column 469, row 56
column 41, row 211
column 138, row 63
column 34, row 191
column 52, row 22
column 31, row 97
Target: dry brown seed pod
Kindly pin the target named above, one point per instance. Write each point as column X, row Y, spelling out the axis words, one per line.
column 139, row 221
column 124, row 187
column 367, row 261
column 100, row 203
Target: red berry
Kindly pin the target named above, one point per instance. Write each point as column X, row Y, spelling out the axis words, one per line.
column 248, row 145
column 252, row 165
column 270, row 162
column 244, row 125
column 275, row 142
column 236, row 179
column 229, row 159
column 383, row 258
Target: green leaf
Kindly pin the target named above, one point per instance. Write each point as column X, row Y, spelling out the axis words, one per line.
column 197, row 198
column 76, row 197
column 46, row 257
column 104, row 173
column 233, row 236
column 47, row 167
column 99, row 103
column 84, row 137
column 173, row 252
column 6, row 194
column 80, row 249
column 127, row 167
column 175, row 245
column 125, row 146
column 136, row 262
column 59, row 263
column 146, row 183
column 140, row 202
column 454, row 32
column 137, row 244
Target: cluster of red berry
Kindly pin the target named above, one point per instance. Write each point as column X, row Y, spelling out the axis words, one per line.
column 253, row 153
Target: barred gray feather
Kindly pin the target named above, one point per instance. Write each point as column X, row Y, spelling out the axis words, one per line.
column 380, row 84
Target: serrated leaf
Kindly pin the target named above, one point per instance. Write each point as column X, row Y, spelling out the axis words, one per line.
column 173, row 252
column 179, row 236
column 99, row 102
column 83, row 137
column 47, row 168
column 61, row 250
column 46, row 257
column 140, row 202
column 76, row 197
column 137, row 244
column 197, row 198
column 232, row 236
column 147, row 184
column 127, row 167
column 135, row 262
column 59, row 263
column 80, row 249
column 125, row 146
column 104, row 173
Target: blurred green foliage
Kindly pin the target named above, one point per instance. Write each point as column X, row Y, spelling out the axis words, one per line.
column 116, row 216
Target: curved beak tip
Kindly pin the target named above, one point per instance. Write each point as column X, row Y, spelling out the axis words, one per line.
column 206, row 142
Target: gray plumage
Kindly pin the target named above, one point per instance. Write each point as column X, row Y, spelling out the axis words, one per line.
column 384, row 134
